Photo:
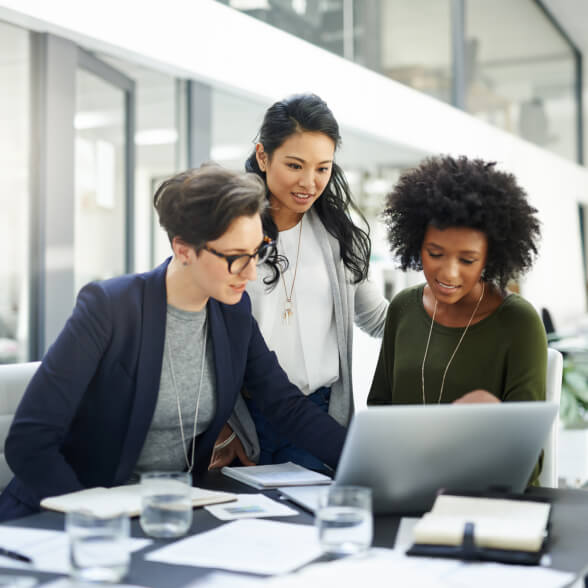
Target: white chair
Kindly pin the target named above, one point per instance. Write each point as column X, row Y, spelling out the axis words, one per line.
column 14, row 378
column 548, row 476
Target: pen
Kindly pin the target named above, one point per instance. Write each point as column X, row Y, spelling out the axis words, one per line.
column 15, row 555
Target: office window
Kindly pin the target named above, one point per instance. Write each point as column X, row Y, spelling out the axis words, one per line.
column 416, row 45
column 520, row 73
column 99, row 216
column 318, row 22
column 14, row 196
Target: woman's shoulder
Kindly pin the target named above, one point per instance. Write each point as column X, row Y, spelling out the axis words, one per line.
column 519, row 317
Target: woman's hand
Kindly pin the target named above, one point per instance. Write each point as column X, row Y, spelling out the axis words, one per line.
column 226, row 449
column 476, row 396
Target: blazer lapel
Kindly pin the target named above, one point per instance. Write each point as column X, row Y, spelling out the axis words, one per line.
column 148, row 370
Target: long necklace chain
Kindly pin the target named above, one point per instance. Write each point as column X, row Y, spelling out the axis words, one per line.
column 288, row 310
column 189, row 463
column 454, row 351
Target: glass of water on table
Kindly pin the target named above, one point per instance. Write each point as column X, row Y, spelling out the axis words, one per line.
column 344, row 520
column 166, row 503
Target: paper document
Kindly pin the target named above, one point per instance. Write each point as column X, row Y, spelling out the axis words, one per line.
column 421, row 572
column 49, row 550
column 254, row 546
column 275, row 475
column 127, row 498
column 249, row 506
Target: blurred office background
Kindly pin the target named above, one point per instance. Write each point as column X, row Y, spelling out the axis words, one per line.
column 101, row 101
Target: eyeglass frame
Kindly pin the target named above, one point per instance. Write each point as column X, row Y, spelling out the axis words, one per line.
column 230, row 259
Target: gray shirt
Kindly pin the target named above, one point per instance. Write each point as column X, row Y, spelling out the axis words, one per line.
column 183, row 355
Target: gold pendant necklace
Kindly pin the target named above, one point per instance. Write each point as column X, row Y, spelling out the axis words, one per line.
column 288, row 308
column 454, row 351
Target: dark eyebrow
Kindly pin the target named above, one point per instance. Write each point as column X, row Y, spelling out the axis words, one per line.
column 303, row 161
column 465, row 252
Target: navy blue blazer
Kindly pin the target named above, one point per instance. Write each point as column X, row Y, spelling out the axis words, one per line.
column 84, row 417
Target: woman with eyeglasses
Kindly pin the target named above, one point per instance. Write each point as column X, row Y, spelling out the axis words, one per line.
column 306, row 307
column 148, row 367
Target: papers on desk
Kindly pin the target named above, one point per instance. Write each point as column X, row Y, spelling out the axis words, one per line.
column 275, row 475
column 418, row 573
column 49, row 550
column 250, row 506
column 254, row 546
column 126, row 498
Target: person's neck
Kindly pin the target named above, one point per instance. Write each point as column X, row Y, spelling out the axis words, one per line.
column 181, row 291
column 283, row 217
column 460, row 313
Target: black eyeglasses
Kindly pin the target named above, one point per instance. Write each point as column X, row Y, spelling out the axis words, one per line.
column 237, row 263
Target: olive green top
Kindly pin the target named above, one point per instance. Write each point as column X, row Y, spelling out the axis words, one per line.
column 505, row 354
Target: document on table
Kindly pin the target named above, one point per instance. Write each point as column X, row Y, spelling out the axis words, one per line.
column 254, row 546
column 419, row 572
column 250, row 506
column 49, row 550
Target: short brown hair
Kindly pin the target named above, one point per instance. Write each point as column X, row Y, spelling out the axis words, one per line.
column 198, row 205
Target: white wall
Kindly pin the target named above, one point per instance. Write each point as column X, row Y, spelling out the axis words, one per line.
column 215, row 44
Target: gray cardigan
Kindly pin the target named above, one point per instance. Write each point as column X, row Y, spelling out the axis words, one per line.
column 360, row 303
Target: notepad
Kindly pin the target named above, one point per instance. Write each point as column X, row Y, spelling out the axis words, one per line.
column 104, row 501
column 497, row 523
column 275, row 475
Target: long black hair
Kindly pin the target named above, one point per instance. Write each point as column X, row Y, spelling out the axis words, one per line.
column 308, row 112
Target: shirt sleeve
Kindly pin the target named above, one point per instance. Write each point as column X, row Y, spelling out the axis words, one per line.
column 370, row 308
column 526, row 367
column 381, row 388
column 49, row 405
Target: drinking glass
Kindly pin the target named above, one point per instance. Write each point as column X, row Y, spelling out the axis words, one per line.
column 99, row 549
column 166, row 503
column 344, row 520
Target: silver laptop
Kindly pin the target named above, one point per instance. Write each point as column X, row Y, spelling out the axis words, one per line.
column 407, row 453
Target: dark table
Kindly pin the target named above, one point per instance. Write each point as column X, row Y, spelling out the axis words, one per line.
column 569, row 534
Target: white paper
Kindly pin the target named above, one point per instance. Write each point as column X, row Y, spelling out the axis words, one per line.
column 419, row 572
column 49, row 550
column 254, row 546
column 250, row 506
column 226, row 580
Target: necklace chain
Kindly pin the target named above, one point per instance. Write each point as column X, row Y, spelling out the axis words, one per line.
column 189, row 463
column 454, row 351
column 288, row 310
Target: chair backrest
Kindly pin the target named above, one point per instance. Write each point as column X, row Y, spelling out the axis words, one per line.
column 548, row 476
column 14, row 378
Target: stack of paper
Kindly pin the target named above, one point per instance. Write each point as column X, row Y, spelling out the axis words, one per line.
column 105, row 501
column 275, row 475
column 498, row 523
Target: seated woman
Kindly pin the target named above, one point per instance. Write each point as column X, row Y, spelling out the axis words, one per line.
column 148, row 367
column 461, row 337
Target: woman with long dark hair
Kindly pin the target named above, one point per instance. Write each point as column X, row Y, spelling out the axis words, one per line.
column 307, row 304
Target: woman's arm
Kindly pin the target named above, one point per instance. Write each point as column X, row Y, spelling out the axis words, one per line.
column 46, row 411
column 370, row 308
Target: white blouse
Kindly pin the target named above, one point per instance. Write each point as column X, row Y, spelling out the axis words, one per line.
column 306, row 344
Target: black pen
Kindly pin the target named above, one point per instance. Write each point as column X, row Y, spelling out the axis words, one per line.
column 15, row 555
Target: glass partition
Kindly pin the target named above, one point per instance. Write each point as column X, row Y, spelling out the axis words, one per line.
column 14, row 196
column 520, row 73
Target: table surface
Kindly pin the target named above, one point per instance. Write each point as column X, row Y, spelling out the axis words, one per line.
column 568, row 547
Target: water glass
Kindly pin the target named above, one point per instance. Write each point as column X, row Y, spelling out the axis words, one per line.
column 166, row 503
column 344, row 520
column 99, row 549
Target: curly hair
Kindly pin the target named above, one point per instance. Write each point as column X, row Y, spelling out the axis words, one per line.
column 459, row 192
column 308, row 112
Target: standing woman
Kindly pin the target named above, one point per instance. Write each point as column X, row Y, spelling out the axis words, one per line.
column 306, row 308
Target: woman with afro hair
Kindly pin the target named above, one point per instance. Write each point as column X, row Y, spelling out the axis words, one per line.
column 461, row 336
